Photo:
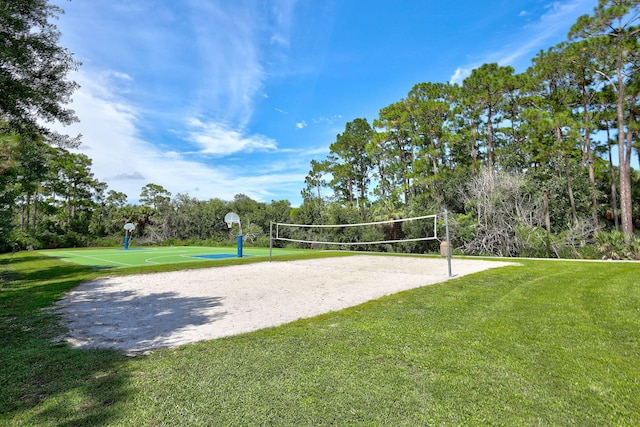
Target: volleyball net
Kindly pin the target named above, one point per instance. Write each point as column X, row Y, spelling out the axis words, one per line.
column 404, row 235
column 404, row 230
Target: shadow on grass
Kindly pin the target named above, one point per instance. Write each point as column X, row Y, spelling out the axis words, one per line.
column 38, row 268
column 25, row 289
column 44, row 382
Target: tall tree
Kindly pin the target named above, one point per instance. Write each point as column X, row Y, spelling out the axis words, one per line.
column 33, row 70
column 556, row 97
column 583, row 77
column 8, row 187
column 75, row 184
column 431, row 110
column 349, row 163
column 315, row 179
column 612, row 36
column 34, row 160
column 485, row 88
column 397, row 127
column 154, row 195
column 512, row 156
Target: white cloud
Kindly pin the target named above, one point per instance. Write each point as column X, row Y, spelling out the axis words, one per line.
column 226, row 41
column 229, row 38
column 217, row 138
column 459, row 75
column 119, row 75
column 127, row 161
column 559, row 17
column 282, row 13
column 327, row 120
column 213, row 54
column 535, row 36
column 301, row 125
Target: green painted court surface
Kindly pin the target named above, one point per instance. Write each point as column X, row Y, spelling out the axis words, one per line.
column 142, row 256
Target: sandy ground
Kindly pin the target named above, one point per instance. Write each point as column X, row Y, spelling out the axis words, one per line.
column 140, row 313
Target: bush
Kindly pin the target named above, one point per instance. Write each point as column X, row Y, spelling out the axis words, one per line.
column 533, row 242
column 616, row 245
column 575, row 242
column 72, row 239
column 464, row 228
column 107, row 242
column 21, row 241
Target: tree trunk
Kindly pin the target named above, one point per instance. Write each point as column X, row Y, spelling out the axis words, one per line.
column 35, row 212
column 590, row 163
column 572, row 200
column 27, row 212
column 490, row 160
column 547, row 216
column 592, row 184
column 383, row 185
column 614, row 188
column 624, row 157
column 474, row 151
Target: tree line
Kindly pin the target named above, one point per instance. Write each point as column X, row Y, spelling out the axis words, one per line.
column 530, row 164
column 517, row 158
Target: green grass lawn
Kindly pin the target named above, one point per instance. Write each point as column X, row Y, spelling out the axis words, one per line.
column 547, row 343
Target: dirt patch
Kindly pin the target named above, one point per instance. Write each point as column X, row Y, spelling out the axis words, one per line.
column 140, row 313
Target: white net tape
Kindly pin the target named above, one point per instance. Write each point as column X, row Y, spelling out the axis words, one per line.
column 429, row 228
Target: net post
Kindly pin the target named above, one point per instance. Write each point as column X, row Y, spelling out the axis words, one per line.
column 270, row 240
column 446, row 230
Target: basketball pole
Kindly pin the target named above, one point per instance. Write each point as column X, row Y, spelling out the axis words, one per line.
column 128, row 233
column 270, row 240
column 239, row 240
column 233, row 218
column 446, row 229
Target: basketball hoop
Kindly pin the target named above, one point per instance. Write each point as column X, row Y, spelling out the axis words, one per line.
column 232, row 218
column 128, row 230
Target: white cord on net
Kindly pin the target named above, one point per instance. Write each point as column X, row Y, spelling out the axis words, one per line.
column 392, row 221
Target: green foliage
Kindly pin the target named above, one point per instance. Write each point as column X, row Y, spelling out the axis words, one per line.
column 33, row 77
column 107, row 241
column 575, row 242
column 540, row 124
column 155, row 196
column 21, row 241
column 616, row 245
column 464, row 229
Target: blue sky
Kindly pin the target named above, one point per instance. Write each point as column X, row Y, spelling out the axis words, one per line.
column 218, row 97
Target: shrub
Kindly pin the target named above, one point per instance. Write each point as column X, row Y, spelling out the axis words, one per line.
column 72, row 239
column 21, row 241
column 616, row 245
column 107, row 242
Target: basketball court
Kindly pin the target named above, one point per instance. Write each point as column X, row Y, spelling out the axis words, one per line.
column 144, row 256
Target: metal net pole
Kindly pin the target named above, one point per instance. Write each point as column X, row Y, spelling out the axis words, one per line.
column 446, row 230
column 270, row 240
